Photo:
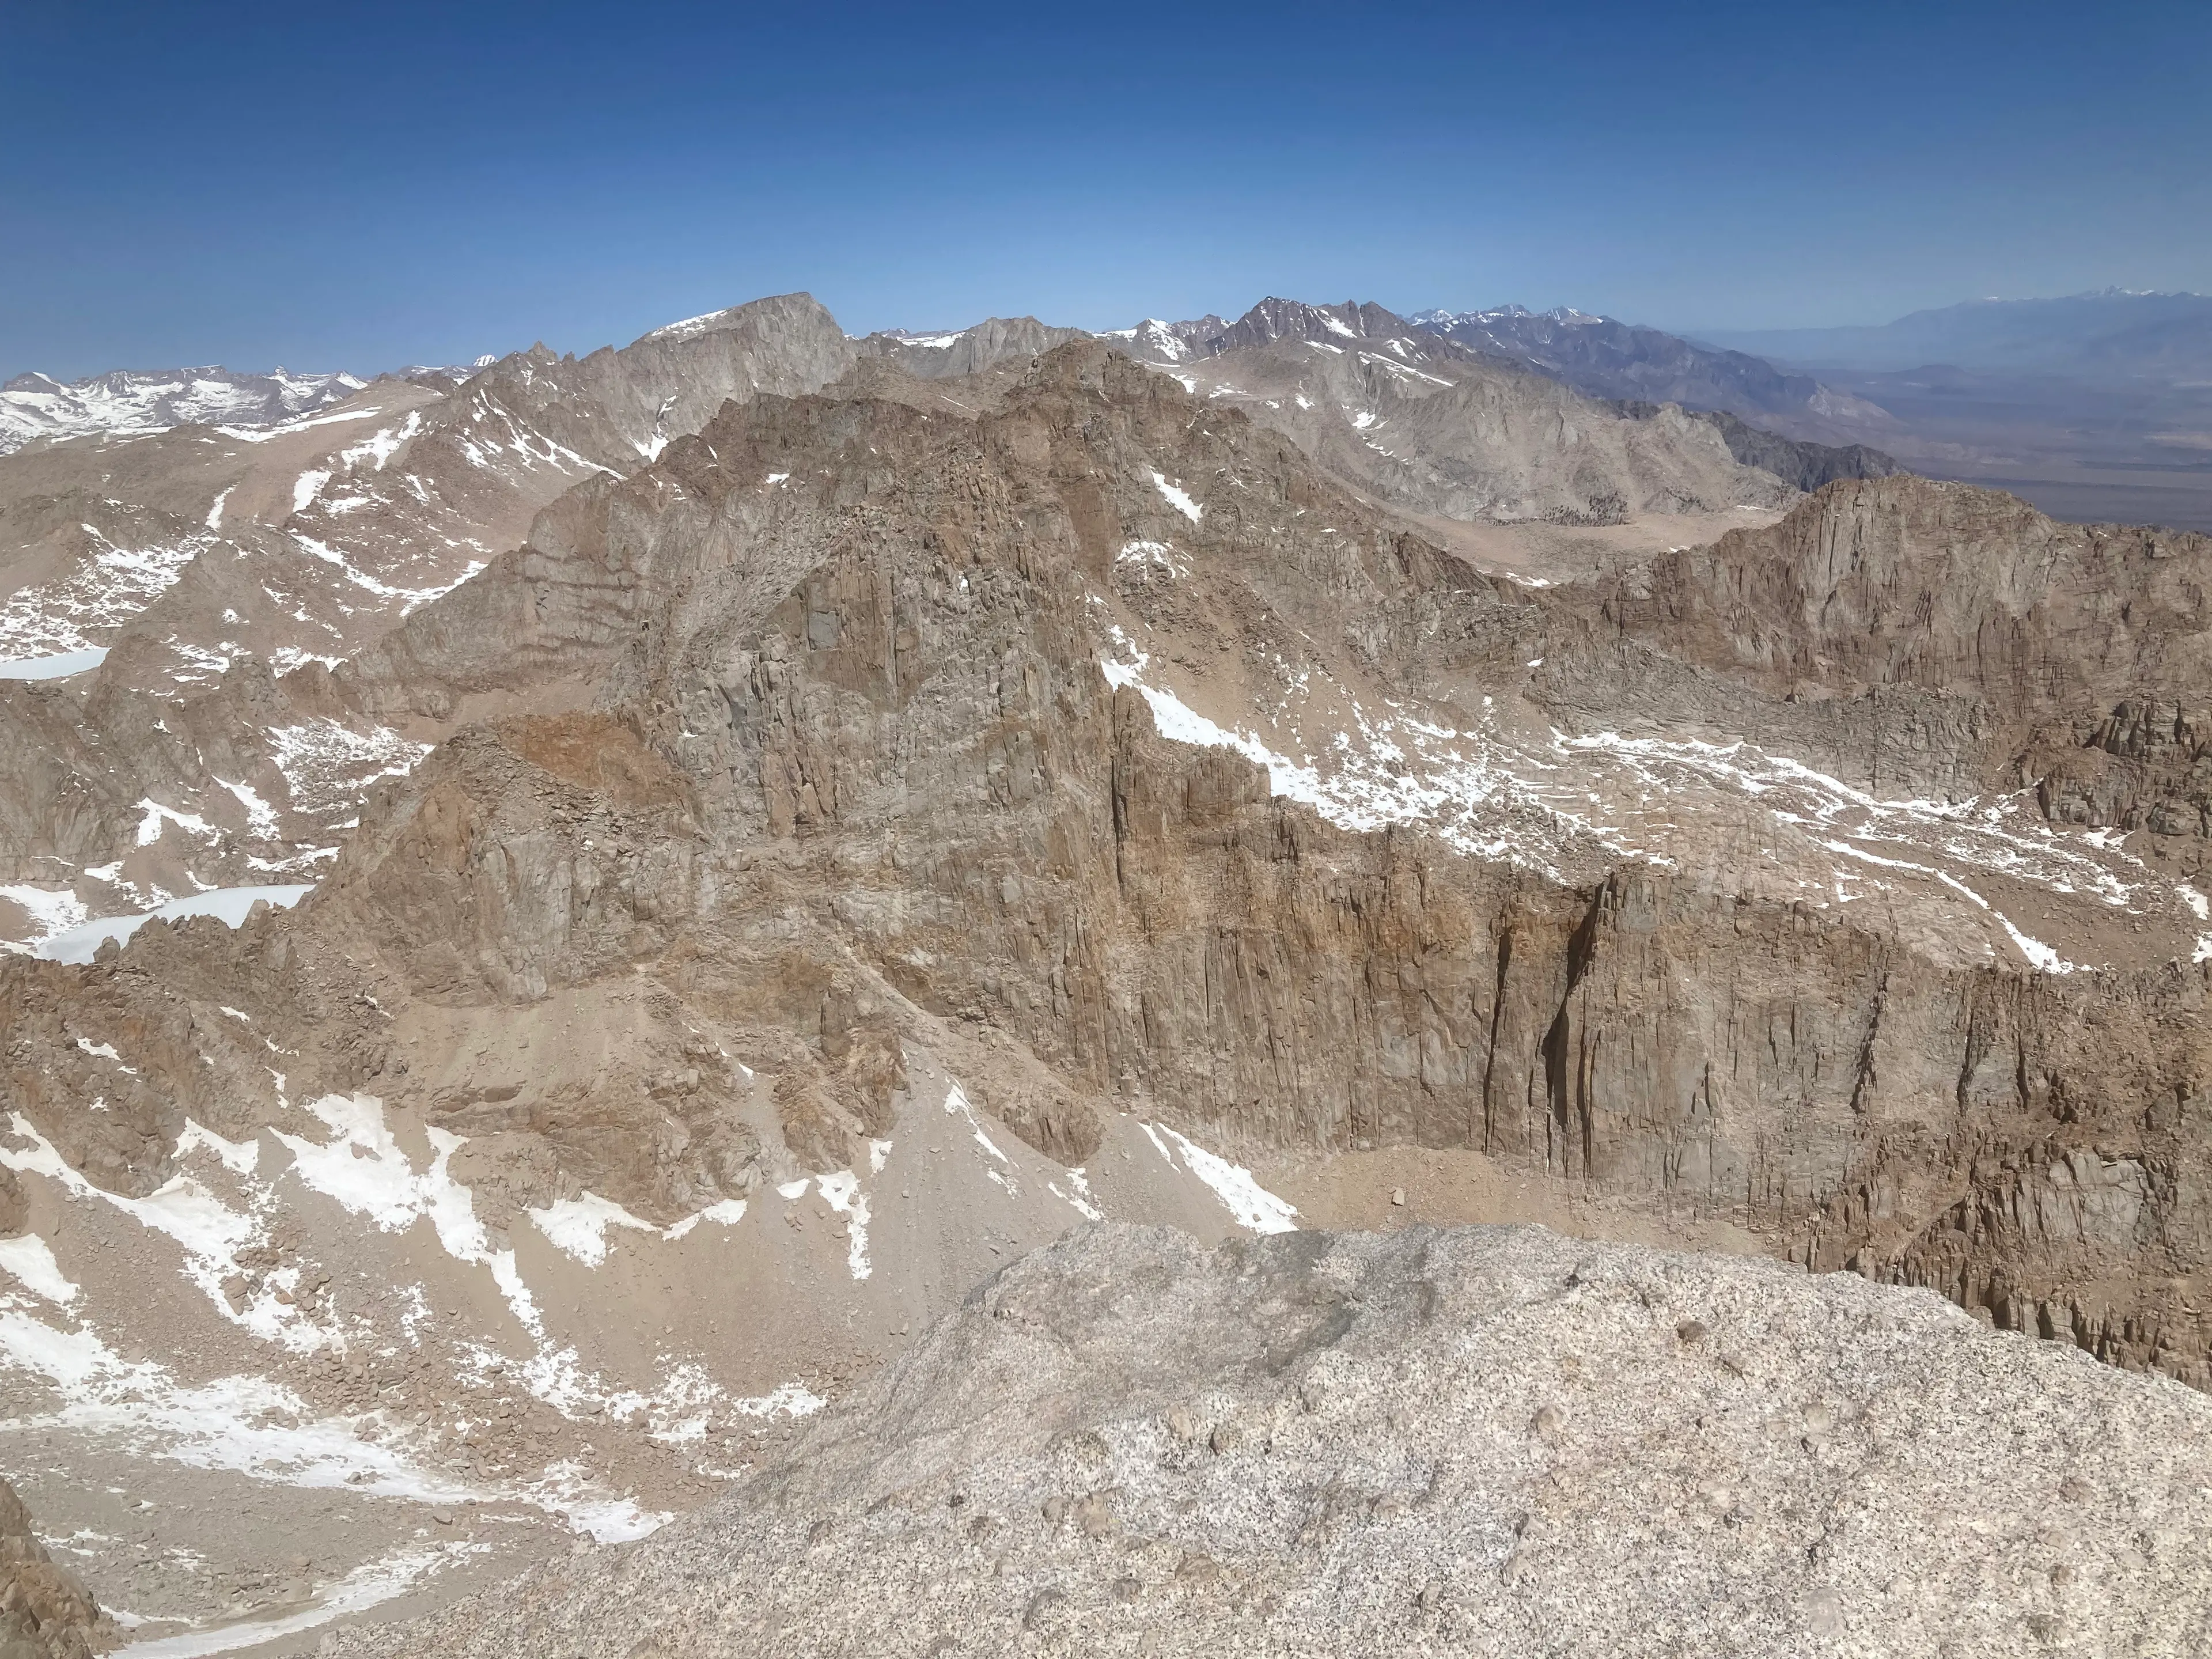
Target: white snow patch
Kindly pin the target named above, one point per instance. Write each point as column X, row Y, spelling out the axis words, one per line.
column 956, row 1100
column 208, row 1230
column 1080, row 1198
column 1178, row 722
column 1178, row 498
column 30, row 1260
column 156, row 815
column 689, row 328
column 1254, row 1207
column 2039, row 954
column 52, row 912
column 361, row 1166
column 1155, row 554
column 326, row 765
column 578, row 1226
column 842, row 1192
column 726, row 1214
column 260, row 815
column 366, row 1586
column 238, row 1157
column 789, row 1400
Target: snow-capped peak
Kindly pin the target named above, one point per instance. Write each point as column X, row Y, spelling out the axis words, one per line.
column 689, row 328
column 34, row 405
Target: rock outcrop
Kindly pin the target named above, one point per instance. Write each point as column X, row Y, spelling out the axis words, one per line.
column 1491, row 1441
column 44, row 1612
column 1794, row 460
column 224, row 575
column 843, row 773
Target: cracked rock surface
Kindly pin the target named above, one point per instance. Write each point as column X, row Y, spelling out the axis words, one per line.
column 46, row 1612
column 1473, row 1441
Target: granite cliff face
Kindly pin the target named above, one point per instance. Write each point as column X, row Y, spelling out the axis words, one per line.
column 874, row 743
column 198, row 583
column 855, row 838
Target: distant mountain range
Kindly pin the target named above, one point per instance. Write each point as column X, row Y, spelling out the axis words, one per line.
column 2094, row 405
column 1634, row 372
column 34, row 406
column 1597, row 356
column 2110, row 333
column 1601, row 357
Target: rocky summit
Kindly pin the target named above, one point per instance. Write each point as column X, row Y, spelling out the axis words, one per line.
column 1488, row 1441
column 563, row 916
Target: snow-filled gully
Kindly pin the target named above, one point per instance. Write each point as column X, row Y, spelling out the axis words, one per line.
column 228, row 1200
column 1531, row 800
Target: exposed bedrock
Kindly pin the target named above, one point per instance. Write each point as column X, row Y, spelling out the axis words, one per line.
column 46, row 1612
column 851, row 778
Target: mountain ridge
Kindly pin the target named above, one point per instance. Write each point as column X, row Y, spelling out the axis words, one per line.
column 841, row 845
column 1605, row 358
column 34, row 406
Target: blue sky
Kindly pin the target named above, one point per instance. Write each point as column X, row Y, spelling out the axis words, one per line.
column 365, row 186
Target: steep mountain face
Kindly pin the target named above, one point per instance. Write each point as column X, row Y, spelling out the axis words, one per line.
column 2111, row 333
column 2025, row 620
column 968, row 351
column 617, row 406
column 837, row 848
column 239, row 559
column 1155, row 341
column 1125, row 1444
column 899, row 671
column 1430, row 427
column 1602, row 358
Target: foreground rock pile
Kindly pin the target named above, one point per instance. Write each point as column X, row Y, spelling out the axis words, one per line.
column 44, row 1612
column 1484, row 1441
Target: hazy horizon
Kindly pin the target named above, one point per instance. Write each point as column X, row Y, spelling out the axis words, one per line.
column 254, row 185
column 939, row 324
